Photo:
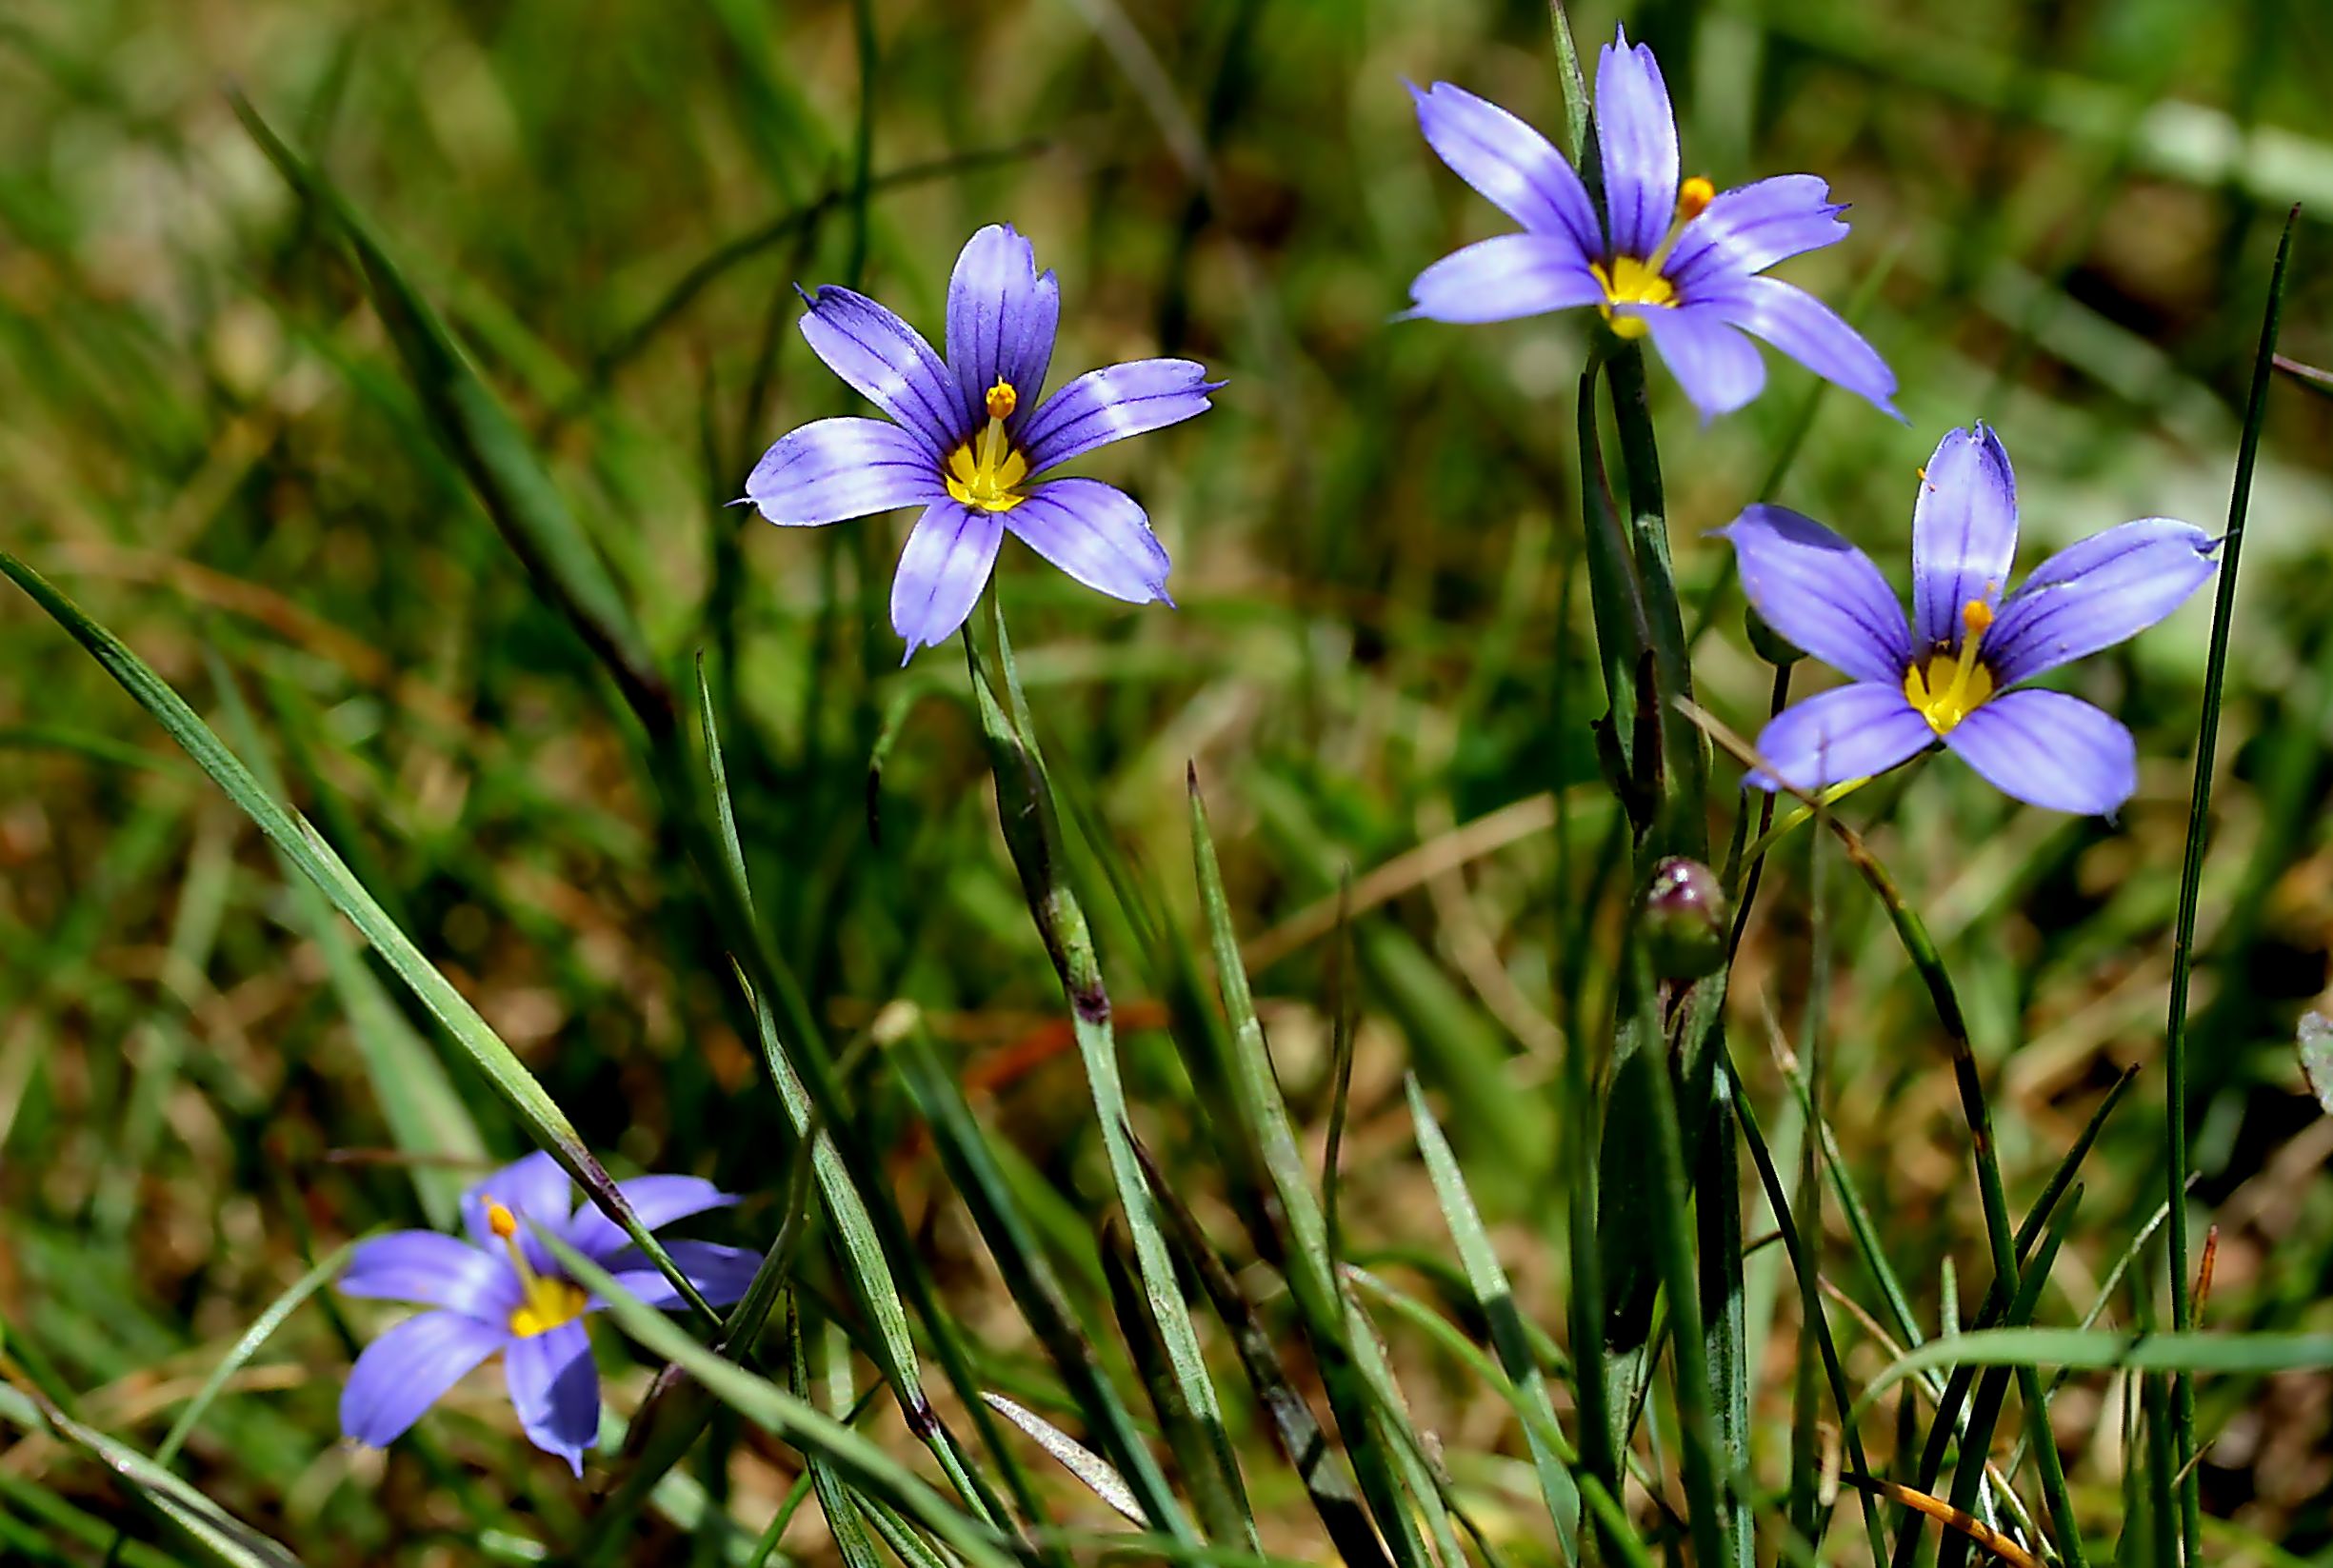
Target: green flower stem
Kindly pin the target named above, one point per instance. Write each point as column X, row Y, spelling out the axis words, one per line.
column 1685, row 753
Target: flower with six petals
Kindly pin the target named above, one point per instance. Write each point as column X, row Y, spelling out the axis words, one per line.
column 501, row 1290
column 968, row 438
column 1681, row 262
column 1946, row 676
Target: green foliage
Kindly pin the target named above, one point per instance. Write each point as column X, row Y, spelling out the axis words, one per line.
column 1308, row 1172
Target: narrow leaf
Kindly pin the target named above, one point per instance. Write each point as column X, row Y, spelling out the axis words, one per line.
column 1073, row 1455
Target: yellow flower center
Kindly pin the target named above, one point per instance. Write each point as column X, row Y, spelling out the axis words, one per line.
column 1951, row 686
column 544, row 1303
column 1631, row 280
column 987, row 470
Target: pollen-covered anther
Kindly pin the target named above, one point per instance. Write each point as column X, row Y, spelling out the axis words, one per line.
column 501, row 1221
column 1693, row 198
column 1003, row 399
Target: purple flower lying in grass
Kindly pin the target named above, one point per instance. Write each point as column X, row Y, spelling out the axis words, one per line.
column 1946, row 676
column 1680, row 262
column 969, row 438
column 500, row 1290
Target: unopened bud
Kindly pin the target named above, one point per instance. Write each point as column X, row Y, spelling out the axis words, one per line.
column 1685, row 921
column 1771, row 645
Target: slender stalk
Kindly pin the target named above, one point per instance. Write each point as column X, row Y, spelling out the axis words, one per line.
column 1643, row 1099
column 1735, row 877
column 2190, row 884
column 1802, row 1509
column 1684, row 753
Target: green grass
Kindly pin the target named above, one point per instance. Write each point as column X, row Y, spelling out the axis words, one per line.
column 405, row 755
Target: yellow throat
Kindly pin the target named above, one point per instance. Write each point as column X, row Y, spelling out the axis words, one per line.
column 987, row 470
column 1631, row 280
column 1951, row 686
column 544, row 1303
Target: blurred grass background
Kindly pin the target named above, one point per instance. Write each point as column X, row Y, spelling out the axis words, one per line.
column 2062, row 216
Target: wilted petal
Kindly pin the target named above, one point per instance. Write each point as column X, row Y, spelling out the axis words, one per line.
column 1097, row 534
column 1002, row 315
column 948, row 556
column 534, row 1188
column 1510, row 163
column 1964, row 533
column 1811, row 332
column 1506, row 277
column 1637, row 131
column 889, row 364
column 1821, row 592
column 1112, row 404
column 556, row 1391
column 434, row 1270
column 1750, row 227
column 833, row 468
column 2092, row 595
column 720, row 1274
column 1848, row 732
column 407, row 1370
column 1717, row 368
column 2049, row 749
column 658, row 1199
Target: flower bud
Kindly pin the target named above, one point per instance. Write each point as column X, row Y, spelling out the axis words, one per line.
column 1686, row 924
column 1770, row 644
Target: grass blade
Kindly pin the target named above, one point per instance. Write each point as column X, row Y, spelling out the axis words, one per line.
column 1032, row 831
column 866, row 1268
column 426, row 1116
column 1495, row 1297
column 1073, row 1455
column 1036, row 1289
column 2191, row 878
column 488, row 447
column 793, row 1421
column 1377, row 1438
column 217, row 1532
column 305, row 849
column 263, row 1329
column 2098, row 1350
column 1326, row 1477
column 844, row 1520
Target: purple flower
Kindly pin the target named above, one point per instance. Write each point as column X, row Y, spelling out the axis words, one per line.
column 1948, row 675
column 968, row 437
column 1680, row 262
column 500, row 1290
